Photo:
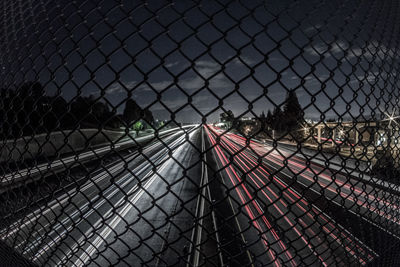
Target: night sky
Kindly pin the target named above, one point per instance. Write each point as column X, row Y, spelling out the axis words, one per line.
column 190, row 57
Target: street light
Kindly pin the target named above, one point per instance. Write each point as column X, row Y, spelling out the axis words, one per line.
column 391, row 118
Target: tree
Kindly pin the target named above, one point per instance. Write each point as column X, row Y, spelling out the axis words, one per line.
column 132, row 111
column 30, row 111
column 262, row 116
column 227, row 118
column 262, row 120
column 31, row 107
column 276, row 119
column 87, row 111
column 268, row 119
column 138, row 126
column 56, row 114
column 293, row 114
column 148, row 117
column 79, row 110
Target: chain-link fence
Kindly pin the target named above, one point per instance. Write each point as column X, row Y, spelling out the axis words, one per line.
column 199, row 133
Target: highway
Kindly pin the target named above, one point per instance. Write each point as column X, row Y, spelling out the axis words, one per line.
column 140, row 200
column 290, row 230
column 58, row 165
column 200, row 195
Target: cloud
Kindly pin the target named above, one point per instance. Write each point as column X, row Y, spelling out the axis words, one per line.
column 158, row 86
column 120, row 87
column 310, row 79
column 201, row 103
column 317, row 49
column 370, row 77
column 206, row 70
column 114, row 88
column 243, row 59
column 340, row 48
column 209, row 71
column 372, row 49
column 172, row 64
column 206, row 64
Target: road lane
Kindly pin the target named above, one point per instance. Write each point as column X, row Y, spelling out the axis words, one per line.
column 73, row 216
column 293, row 220
column 373, row 203
column 88, row 190
column 144, row 209
column 163, row 215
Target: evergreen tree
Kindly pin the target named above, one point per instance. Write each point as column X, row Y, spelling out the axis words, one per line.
column 277, row 116
column 132, row 111
column 227, row 117
column 269, row 119
column 148, row 116
column 262, row 120
column 293, row 115
column 262, row 116
column 89, row 112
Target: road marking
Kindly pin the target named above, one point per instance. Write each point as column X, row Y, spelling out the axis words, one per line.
column 214, row 221
column 36, row 242
column 340, row 205
column 236, row 219
column 102, row 201
column 69, row 195
column 93, row 246
column 200, row 207
column 135, row 198
column 124, row 142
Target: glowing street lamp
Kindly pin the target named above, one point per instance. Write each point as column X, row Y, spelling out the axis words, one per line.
column 391, row 118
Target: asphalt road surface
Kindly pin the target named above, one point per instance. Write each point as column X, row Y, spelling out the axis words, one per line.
column 124, row 214
column 268, row 189
column 201, row 196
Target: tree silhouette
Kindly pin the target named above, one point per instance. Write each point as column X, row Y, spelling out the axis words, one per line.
column 293, row 115
column 131, row 111
column 148, row 116
column 277, row 116
column 269, row 118
column 263, row 121
column 91, row 112
column 293, row 112
column 58, row 116
column 227, row 117
column 27, row 110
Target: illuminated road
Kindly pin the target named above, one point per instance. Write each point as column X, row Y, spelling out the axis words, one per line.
column 258, row 206
column 293, row 231
column 75, row 227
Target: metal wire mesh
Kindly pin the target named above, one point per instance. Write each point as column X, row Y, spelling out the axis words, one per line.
column 199, row 133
